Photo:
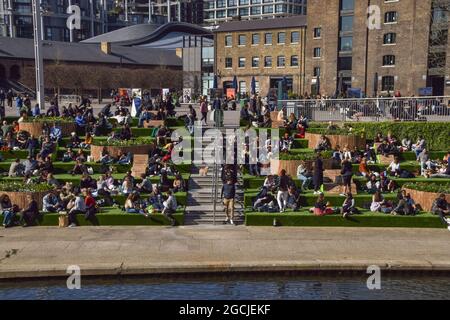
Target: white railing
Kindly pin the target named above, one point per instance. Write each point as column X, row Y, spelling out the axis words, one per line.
column 372, row 109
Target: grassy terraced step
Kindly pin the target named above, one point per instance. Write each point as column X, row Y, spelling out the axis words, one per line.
column 64, row 167
column 76, row 179
column 308, row 199
column 117, row 217
column 252, row 182
column 366, row 219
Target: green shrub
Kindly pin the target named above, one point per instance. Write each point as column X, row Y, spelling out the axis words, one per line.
column 50, row 119
column 18, row 186
column 305, row 156
column 338, row 131
column 125, row 143
column 437, row 134
column 429, row 187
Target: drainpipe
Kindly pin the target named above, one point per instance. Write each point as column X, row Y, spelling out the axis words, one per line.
column 366, row 62
column 91, row 8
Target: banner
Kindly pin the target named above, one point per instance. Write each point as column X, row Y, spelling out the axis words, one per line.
column 231, row 93
column 137, row 102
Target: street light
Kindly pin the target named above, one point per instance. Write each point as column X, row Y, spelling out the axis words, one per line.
column 38, row 58
column 11, row 18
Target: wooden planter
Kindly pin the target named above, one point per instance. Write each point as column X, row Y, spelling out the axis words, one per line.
column 153, row 123
column 275, row 122
column 350, row 140
column 96, row 151
column 35, row 128
column 291, row 166
column 424, row 199
column 20, row 198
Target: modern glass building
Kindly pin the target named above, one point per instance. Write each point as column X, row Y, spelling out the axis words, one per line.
column 218, row 11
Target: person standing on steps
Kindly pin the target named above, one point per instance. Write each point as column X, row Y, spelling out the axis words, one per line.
column 218, row 113
column 228, row 194
column 318, row 174
column 204, row 110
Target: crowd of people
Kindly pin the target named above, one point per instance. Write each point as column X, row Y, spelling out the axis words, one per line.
column 153, row 191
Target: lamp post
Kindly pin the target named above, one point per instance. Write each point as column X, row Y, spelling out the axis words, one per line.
column 11, row 18
column 38, row 59
column 126, row 11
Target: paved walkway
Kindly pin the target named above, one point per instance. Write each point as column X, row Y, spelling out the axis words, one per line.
column 41, row 251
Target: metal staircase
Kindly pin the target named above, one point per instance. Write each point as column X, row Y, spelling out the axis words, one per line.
column 204, row 203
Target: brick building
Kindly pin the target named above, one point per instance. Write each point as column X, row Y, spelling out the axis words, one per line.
column 269, row 50
column 406, row 52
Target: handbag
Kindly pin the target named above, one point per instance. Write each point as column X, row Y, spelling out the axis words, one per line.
column 63, row 219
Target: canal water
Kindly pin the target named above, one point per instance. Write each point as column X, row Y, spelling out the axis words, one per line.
column 234, row 288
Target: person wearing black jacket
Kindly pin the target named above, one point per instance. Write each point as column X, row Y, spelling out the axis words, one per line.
column 30, row 213
column 228, row 193
column 347, row 173
column 318, row 173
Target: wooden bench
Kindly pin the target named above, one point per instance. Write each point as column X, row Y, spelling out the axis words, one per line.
column 153, row 123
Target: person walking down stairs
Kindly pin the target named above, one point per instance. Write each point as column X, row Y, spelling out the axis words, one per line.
column 228, row 194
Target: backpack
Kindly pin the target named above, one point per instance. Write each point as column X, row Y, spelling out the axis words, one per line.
column 406, row 174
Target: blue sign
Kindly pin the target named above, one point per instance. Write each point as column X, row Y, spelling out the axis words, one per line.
column 354, row 92
column 428, row 91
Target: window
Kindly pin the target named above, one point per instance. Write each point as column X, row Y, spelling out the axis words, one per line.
column 391, row 17
column 232, row 3
column 241, row 62
column 345, row 63
column 317, row 33
column 228, row 41
column 242, row 40
column 347, row 4
column 346, row 44
column 317, row 53
column 346, row 23
column 389, row 60
column 268, row 62
column 220, row 4
column 281, row 37
column 281, row 61
column 243, row 12
column 232, row 12
column 316, row 72
column 228, row 62
column 267, row 38
column 295, row 36
column 255, row 62
column 280, row 8
column 256, row 1
column 243, row 2
column 294, row 61
column 242, row 87
column 255, row 10
column 389, row 38
column 267, row 9
column 255, row 38
column 387, row 83
column 220, row 14
column 49, row 33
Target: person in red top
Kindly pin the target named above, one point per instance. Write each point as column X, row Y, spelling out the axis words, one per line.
column 300, row 131
column 91, row 207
